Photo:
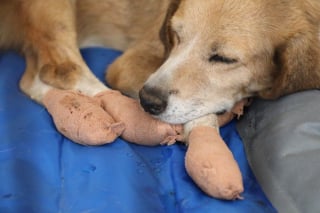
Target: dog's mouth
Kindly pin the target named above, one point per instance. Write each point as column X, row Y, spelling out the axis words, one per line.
column 221, row 112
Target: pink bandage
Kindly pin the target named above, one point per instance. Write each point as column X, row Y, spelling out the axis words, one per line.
column 81, row 118
column 211, row 165
column 141, row 127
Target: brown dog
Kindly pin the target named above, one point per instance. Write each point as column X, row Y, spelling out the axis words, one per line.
column 207, row 54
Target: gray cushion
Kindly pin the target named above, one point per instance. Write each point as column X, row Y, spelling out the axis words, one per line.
column 282, row 142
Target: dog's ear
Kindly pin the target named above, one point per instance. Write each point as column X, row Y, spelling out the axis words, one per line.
column 165, row 31
column 298, row 65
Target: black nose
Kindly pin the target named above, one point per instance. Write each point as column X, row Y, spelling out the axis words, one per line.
column 153, row 100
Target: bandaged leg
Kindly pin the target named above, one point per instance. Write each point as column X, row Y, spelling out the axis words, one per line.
column 208, row 161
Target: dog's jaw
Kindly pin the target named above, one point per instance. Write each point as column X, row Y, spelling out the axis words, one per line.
column 180, row 111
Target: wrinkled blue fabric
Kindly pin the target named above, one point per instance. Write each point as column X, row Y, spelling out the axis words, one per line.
column 42, row 171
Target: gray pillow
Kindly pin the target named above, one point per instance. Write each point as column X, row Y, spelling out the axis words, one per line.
column 282, row 142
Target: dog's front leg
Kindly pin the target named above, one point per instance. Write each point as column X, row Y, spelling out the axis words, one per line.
column 209, row 161
column 51, row 50
column 57, row 76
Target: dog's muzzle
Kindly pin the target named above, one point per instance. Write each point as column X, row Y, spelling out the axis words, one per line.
column 153, row 100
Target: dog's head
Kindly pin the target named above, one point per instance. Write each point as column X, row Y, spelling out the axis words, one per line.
column 220, row 51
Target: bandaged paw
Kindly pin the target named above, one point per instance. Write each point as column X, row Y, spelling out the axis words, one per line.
column 208, row 161
column 141, row 127
column 211, row 165
column 81, row 118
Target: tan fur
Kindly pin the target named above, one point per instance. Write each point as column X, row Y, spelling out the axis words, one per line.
column 273, row 45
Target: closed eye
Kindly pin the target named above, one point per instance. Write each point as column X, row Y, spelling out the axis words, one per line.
column 222, row 59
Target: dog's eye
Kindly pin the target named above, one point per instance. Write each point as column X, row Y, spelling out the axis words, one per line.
column 221, row 59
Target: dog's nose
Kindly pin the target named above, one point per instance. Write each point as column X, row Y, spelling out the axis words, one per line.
column 153, row 100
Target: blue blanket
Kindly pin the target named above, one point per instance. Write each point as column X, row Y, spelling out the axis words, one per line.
column 42, row 171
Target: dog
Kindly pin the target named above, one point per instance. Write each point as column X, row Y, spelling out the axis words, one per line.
column 184, row 59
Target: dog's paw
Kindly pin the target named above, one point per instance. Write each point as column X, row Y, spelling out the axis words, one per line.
column 141, row 127
column 81, row 118
column 211, row 165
